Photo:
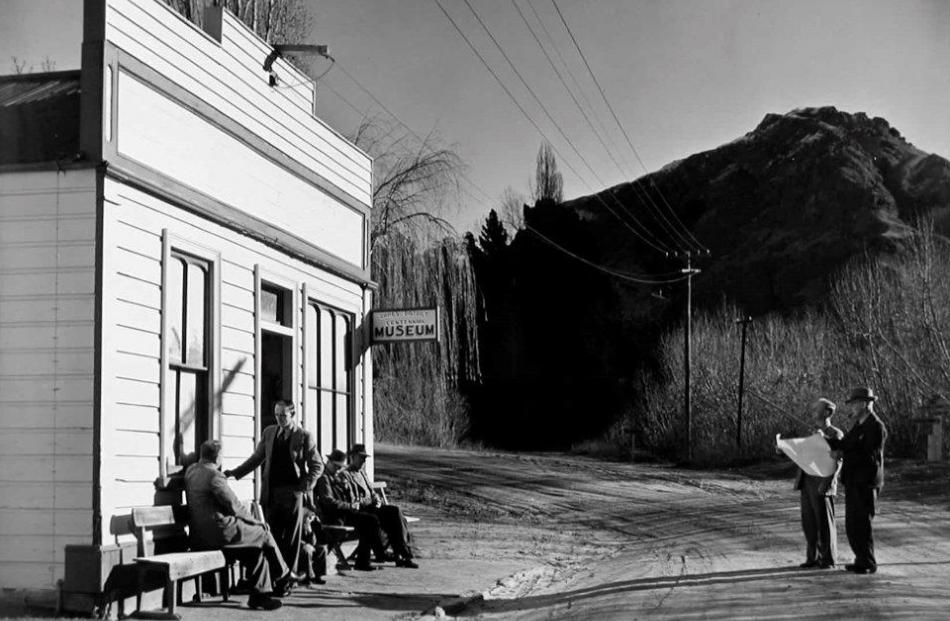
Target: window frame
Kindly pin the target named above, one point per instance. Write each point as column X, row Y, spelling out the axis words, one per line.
column 312, row 367
column 174, row 246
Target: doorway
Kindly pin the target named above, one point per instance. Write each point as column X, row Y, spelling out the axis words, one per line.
column 276, row 373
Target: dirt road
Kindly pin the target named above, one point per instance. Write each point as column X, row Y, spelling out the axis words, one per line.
column 606, row 540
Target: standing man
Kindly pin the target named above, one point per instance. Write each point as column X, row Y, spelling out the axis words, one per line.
column 863, row 476
column 338, row 505
column 818, row 498
column 219, row 521
column 291, row 469
column 390, row 517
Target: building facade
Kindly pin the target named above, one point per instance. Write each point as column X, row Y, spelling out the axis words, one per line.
column 194, row 252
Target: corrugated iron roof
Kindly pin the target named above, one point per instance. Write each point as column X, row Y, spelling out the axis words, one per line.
column 39, row 117
column 32, row 87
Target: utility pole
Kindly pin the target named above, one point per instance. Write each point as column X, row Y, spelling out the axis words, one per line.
column 690, row 271
column 745, row 324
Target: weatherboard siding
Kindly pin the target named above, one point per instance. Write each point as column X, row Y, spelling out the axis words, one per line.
column 133, row 226
column 165, row 135
column 229, row 76
column 47, row 331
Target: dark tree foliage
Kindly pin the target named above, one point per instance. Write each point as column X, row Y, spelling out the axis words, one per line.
column 494, row 237
column 552, row 371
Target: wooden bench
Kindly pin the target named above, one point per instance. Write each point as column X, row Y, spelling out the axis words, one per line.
column 330, row 535
column 167, row 552
column 380, row 488
column 333, row 537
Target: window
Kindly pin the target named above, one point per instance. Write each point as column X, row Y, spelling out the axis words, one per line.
column 276, row 348
column 329, row 375
column 188, row 306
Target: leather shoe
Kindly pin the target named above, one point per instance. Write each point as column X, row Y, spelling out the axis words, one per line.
column 824, row 565
column 860, row 569
column 810, row 564
column 407, row 562
column 263, row 602
column 284, row 584
column 364, row 566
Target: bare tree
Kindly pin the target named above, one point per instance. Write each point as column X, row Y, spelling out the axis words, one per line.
column 275, row 21
column 548, row 183
column 419, row 260
column 19, row 66
column 511, row 210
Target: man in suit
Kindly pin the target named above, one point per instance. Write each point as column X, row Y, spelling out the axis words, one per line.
column 862, row 474
column 818, row 499
column 391, row 519
column 291, row 468
column 219, row 521
column 336, row 499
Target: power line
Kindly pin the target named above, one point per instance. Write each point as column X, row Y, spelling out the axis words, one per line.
column 404, row 125
column 623, row 130
column 638, row 279
column 580, row 90
column 641, row 194
column 535, row 124
column 557, row 126
column 655, row 279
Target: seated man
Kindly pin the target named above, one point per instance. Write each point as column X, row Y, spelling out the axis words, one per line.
column 219, row 521
column 337, row 504
column 313, row 554
column 390, row 517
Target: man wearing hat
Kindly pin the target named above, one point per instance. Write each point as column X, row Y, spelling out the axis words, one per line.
column 862, row 475
column 337, row 502
column 291, row 467
column 818, row 499
column 391, row 519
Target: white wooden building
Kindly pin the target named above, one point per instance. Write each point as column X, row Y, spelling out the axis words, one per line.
column 194, row 250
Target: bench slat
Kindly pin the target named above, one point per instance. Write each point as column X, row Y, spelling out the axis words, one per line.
column 165, row 515
column 185, row 564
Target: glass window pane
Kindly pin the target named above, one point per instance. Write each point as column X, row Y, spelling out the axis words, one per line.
column 169, row 429
column 326, row 422
column 174, row 298
column 326, row 349
column 341, row 353
column 312, row 330
column 342, row 421
column 196, row 309
column 269, row 303
column 187, row 407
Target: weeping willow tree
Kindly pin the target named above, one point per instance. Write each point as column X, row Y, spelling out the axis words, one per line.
column 419, row 260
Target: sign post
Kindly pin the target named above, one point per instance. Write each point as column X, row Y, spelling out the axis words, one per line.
column 405, row 325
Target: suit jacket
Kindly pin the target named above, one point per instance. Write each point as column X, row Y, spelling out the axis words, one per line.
column 216, row 516
column 364, row 492
column 863, row 449
column 335, row 496
column 829, row 484
column 303, row 455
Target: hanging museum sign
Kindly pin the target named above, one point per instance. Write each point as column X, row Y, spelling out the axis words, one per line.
column 405, row 325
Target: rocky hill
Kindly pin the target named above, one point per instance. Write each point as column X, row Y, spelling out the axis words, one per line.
column 783, row 207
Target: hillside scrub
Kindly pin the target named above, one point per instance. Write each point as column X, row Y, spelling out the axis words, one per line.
column 886, row 326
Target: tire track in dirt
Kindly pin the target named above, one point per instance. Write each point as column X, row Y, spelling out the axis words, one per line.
column 644, row 541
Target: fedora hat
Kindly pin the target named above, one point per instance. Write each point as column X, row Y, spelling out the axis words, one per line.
column 336, row 455
column 359, row 449
column 861, row 393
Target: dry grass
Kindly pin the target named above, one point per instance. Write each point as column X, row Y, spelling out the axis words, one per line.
column 887, row 327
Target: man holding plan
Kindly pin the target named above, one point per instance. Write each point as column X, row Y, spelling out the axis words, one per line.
column 817, row 480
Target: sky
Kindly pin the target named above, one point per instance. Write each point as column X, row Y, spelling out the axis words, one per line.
column 682, row 76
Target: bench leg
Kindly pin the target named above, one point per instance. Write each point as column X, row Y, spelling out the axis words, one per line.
column 171, row 588
column 341, row 562
column 223, row 583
